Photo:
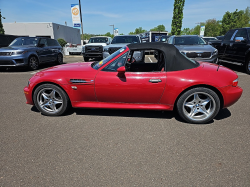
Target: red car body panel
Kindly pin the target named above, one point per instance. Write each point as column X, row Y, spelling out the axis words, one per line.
column 133, row 90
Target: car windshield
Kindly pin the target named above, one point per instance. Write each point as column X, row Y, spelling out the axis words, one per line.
column 125, row 39
column 107, row 59
column 24, row 41
column 194, row 40
column 98, row 40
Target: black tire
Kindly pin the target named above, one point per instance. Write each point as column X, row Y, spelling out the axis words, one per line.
column 48, row 103
column 198, row 105
column 33, row 63
column 86, row 59
column 59, row 59
column 247, row 65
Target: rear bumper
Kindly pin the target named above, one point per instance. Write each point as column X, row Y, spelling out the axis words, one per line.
column 231, row 95
column 28, row 95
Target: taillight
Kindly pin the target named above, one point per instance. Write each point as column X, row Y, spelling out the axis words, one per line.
column 235, row 82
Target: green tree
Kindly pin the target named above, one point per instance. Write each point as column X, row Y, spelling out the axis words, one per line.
column 186, row 31
column 62, row 42
column 236, row 19
column 160, row 28
column 212, row 27
column 177, row 17
column 1, row 25
column 138, row 31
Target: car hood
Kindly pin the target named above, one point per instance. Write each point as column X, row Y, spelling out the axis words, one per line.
column 72, row 67
column 195, row 48
column 95, row 44
column 117, row 45
column 14, row 48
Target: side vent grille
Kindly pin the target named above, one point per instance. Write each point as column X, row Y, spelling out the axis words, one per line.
column 77, row 81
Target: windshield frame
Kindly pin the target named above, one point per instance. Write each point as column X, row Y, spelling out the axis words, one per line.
column 101, row 64
column 188, row 37
column 24, row 39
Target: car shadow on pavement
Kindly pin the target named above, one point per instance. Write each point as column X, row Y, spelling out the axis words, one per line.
column 26, row 69
column 236, row 68
column 126, row 113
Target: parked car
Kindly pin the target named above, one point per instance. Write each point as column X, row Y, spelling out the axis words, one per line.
column 194, row 47
column 208, row 39
column 220, row 37
column 118, row 82
column 94, row 48
column 120, row 41
column 75, row 49
column 164, row 38
column 235, row 48
column 30, row 52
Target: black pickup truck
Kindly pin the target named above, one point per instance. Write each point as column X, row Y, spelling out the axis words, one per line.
column 235, row 47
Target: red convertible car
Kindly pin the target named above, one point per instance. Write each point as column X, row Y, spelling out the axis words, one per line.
column 197, row 90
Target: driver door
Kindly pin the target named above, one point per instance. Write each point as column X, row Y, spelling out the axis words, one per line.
column 131, row 87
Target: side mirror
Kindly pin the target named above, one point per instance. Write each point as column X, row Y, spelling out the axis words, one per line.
column 239, row 39
column 121, row 70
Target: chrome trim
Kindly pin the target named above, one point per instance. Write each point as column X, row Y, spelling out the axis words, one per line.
column 80, row 81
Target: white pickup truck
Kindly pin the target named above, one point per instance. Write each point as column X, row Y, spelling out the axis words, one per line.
column 94, row 48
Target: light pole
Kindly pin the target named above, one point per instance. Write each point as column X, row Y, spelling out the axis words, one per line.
column 81, row 19
column 113, row 29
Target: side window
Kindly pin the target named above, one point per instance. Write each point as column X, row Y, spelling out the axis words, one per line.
column 117, row 63
column 50, row 42
column 229, row 35
column 241, row 33
column 43, row 41
column 170, row 40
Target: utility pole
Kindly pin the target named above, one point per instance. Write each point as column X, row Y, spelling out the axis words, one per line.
column 81, row 18
column 113, row 29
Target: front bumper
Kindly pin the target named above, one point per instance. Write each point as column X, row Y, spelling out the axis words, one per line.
column 231, row 95
column 92, row 55
column 12, row 61
column 28, row 95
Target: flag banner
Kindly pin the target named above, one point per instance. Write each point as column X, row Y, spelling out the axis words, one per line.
column 75, row 15
column 202, row 30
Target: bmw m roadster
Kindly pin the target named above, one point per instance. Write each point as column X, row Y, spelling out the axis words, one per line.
column 197, row 90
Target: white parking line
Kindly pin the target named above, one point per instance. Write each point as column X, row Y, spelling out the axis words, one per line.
column 150, row 59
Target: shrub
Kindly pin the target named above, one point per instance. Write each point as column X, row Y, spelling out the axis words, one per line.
column 62, row 42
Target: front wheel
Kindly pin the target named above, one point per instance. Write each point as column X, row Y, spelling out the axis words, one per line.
column 59, row 59
column 198, row 105
column 86, row 59
column 33, row 63
column 247, row 66
column 51, row 100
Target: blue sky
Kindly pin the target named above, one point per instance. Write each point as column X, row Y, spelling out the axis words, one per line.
column 125, row 15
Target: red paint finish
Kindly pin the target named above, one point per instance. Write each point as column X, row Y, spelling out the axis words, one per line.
column 130, row 90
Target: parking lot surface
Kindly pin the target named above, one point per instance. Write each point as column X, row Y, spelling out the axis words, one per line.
column 95, row 147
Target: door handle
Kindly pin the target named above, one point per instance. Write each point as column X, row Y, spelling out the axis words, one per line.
column 155, row 80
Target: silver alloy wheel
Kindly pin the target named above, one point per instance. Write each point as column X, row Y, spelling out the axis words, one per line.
column 199, row 106
column 33, row 62
column 49, row 100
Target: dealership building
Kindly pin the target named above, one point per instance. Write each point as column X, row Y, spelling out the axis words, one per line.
column 49, row 29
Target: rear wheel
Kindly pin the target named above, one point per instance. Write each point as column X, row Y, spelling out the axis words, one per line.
column 198, row 105
column 51, row 100
column 86, row 59
column 247, row 66
column 33, row 63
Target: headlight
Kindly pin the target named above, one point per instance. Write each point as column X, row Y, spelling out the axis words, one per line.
column 215, row 52
column 19, row 52
column 83, row 49
column 106, row 49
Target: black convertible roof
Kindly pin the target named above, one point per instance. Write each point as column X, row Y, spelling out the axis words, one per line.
column 174, row 60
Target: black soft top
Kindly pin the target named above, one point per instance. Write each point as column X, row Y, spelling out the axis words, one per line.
column 174, row 60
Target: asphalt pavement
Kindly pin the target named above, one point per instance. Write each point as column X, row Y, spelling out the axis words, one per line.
column 95, row 147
